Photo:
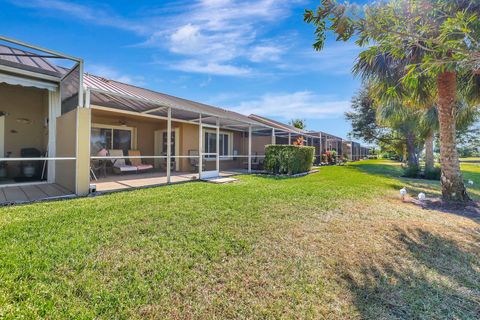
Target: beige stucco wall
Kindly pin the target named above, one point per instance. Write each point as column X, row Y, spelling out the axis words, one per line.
column 259, row 143
column 23, row 103
column 83, row 150
column 188, row 138
column 66, row 147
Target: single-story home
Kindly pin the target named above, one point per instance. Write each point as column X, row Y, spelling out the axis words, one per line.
column 64, row 131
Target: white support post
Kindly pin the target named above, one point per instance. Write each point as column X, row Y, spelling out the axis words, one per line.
column 200, row 147
column 218, row 146
column 54, row 111
column 289, row 138
column 273, row 136
column 80, row 84
column 320, row 147
column 169, row 144
column 87, row 98
column 250, row 149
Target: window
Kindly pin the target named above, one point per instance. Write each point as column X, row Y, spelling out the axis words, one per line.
column 211, row 144
column 111, row 138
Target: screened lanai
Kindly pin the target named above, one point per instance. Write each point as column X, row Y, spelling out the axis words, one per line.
column 287, row 134
column 38, row 142
column 141, row 137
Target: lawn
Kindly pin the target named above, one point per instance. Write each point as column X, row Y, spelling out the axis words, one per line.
column 336, row 244
column 471, row 159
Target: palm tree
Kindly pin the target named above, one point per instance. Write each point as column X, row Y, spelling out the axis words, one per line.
column 465, row 115
column 436, row 41
column 405, row 121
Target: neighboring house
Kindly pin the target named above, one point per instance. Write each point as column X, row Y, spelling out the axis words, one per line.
column 355, row 151
column 322, row 141
column 62, row 130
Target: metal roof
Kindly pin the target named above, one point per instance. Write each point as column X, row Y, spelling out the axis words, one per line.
column 327, row 135
column 278, row 125
column 123, row 96
column 145, row 100
column 25, row 60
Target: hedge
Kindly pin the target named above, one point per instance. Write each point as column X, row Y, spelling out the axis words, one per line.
column 288, row 159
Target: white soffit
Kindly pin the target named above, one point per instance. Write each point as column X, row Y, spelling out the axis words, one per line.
column 24, row 82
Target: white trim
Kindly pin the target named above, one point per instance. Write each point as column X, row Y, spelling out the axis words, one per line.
column 138, row 114
column 217, row 147
column 2, row 136
column 200, row 146
column 19, row 184
column 54, row 111
column 37, row 159
column 152, row 110
column 24, row 82
column 169, row 145
column 31, row 46
column 250, row 149
column 211, row 173
column 29, row 73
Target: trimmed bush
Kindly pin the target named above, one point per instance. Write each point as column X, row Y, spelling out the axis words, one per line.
column 433, row 174
column 412, row 171
column 287, row 159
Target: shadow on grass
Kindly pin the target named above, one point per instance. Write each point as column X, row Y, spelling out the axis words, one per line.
column 391, row 169
column 431, row 278
column 414, row 186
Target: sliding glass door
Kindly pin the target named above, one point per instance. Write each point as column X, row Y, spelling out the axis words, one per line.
column 111, row 138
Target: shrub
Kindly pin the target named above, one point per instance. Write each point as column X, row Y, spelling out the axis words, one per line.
column 288, row 159
column 331, row 157
column 433, row 174
column 412, row 171
column 324, row 158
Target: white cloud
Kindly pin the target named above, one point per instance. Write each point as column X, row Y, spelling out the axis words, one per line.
column 286, row 106
column 213, row 33
column 265, row 53
column 209, row 36
column 211, row 68
column 113, row 74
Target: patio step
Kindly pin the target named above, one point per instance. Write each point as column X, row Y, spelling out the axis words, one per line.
column 220, row 180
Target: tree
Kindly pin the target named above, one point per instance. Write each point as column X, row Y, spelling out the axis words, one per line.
column 298, row 123
column 365, row 124
column 437, row 40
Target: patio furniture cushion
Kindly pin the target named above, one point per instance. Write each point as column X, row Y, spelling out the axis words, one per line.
column 119, row 163
column 137, row 162
column 142, row 167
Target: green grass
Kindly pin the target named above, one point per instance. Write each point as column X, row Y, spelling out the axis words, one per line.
column 335, row 244
column 470, row 159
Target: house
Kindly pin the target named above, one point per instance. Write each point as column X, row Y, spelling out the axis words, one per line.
column 287, row 134
column 63, row 130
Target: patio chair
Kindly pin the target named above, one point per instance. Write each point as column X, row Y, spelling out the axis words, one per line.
column 257, row 163
column 137, row 162
column 119, row 164
column 194, row 162
column 99, row 166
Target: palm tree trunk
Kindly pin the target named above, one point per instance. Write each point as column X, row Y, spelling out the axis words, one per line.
column 412, row 155
column 453, row 189
column 429, row 158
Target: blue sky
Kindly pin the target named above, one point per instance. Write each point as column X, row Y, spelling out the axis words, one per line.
column 248, row 56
